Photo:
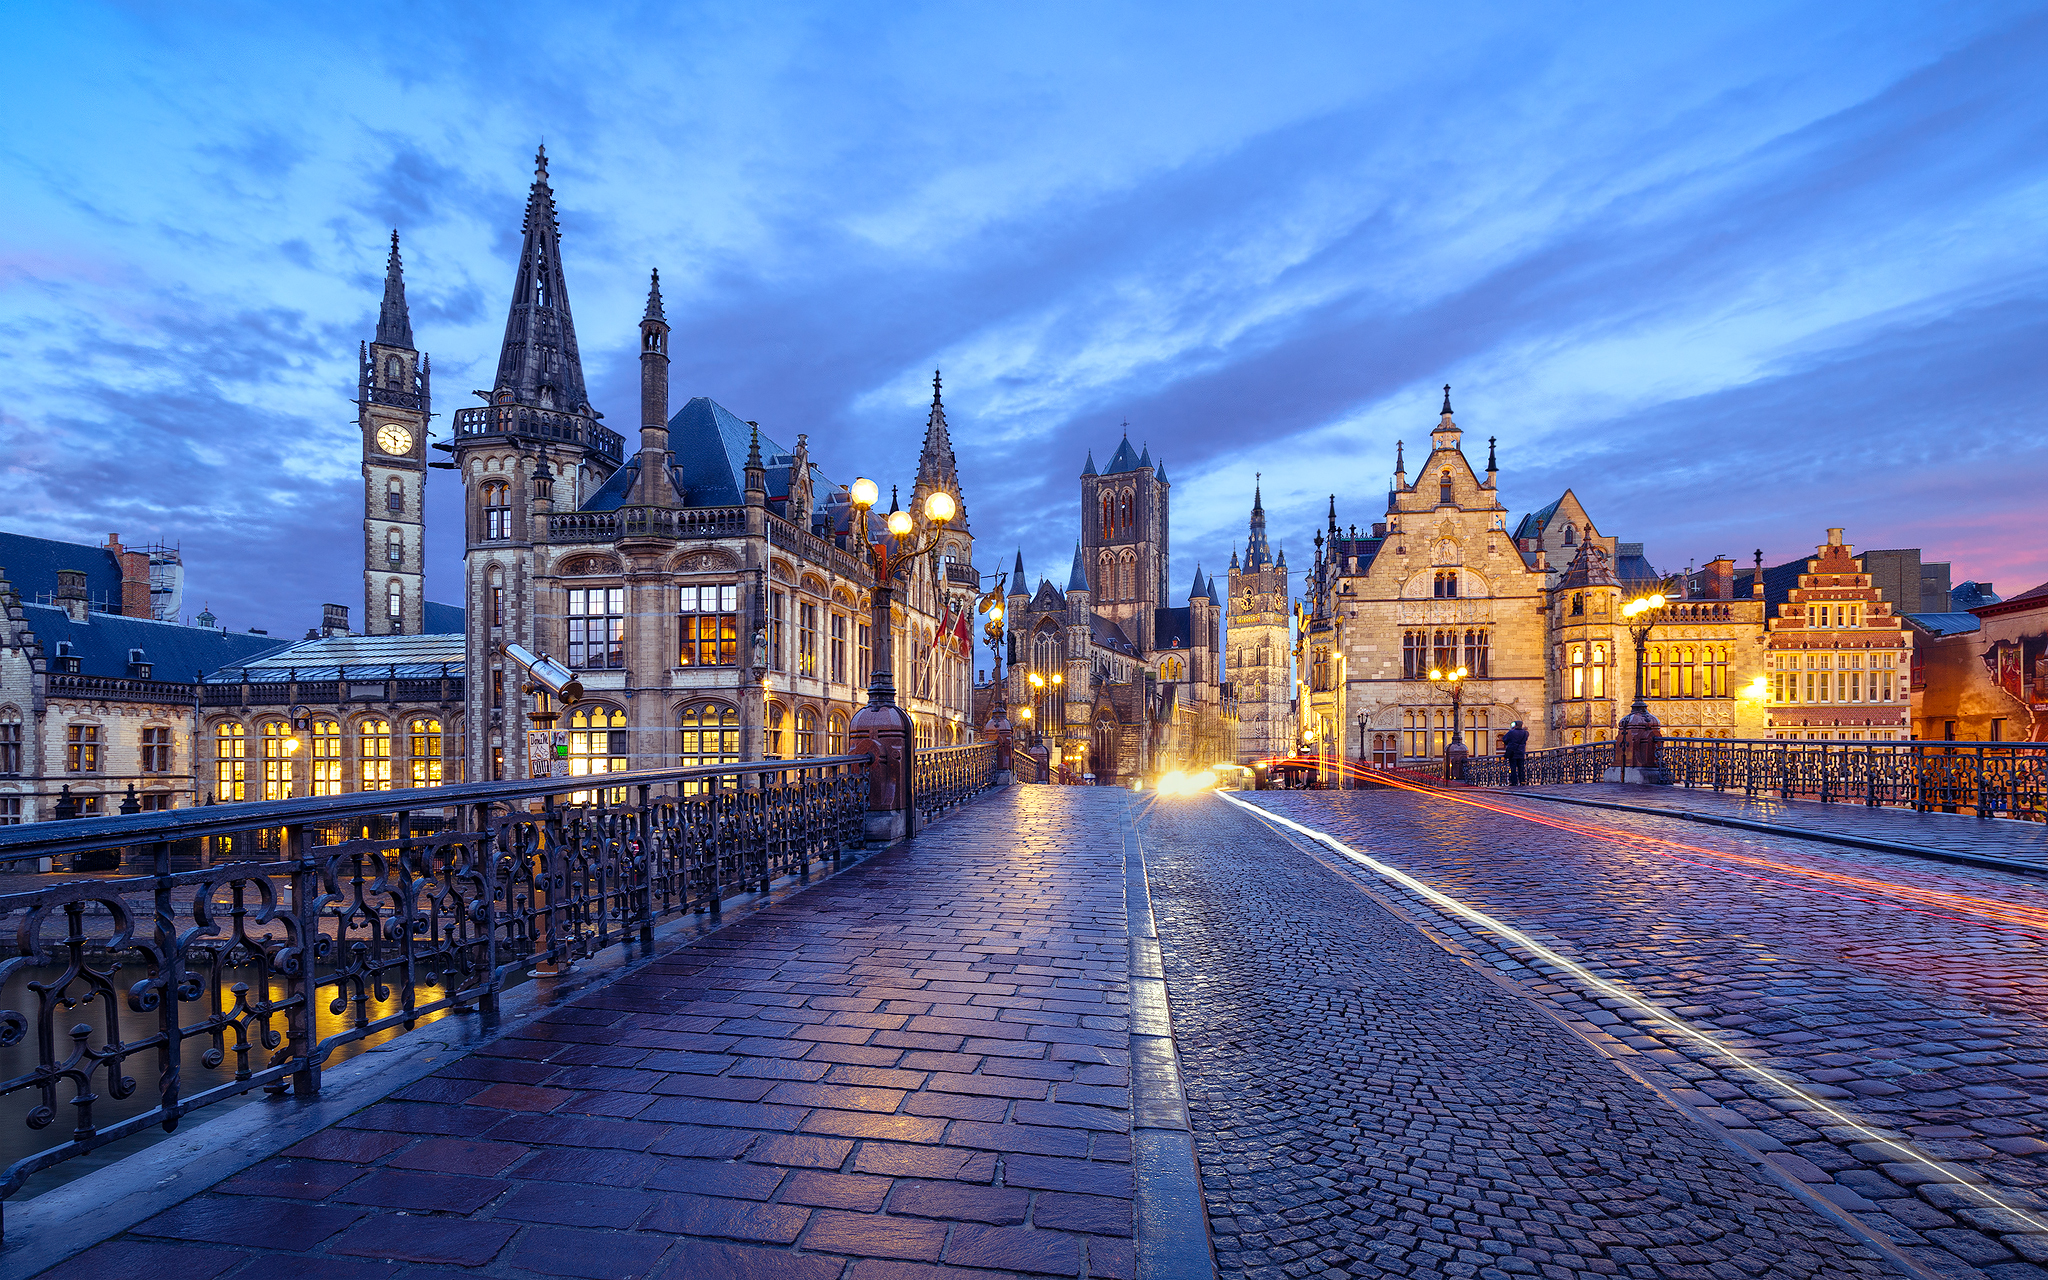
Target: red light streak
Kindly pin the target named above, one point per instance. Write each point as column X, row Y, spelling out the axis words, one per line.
column 1940, row 903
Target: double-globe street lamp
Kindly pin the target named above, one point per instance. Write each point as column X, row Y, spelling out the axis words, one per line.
column 882, row 729
column 1455, row 751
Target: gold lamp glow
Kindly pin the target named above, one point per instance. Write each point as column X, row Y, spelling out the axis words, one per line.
column 1757, row 689
column 939, row 507
column 864, row 493
column 1037, row 681
column 1642, row 604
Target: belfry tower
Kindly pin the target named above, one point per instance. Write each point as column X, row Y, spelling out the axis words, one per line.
column 1257, row 648
column 392, row 408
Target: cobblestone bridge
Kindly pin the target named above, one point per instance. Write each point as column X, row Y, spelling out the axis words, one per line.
column 1401, row 1035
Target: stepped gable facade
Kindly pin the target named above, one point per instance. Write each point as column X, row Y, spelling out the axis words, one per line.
column 709, row 587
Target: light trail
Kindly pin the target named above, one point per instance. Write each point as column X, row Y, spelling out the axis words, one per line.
column 1616, row 991
column 1975, row 909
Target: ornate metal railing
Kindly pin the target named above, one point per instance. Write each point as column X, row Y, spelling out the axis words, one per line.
column 963, row 575
column 357, row 922
column 539, row 424
column 943, row 777
column 1988, row 779
column 1586, row 762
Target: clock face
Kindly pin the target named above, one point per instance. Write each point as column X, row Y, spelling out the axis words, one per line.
column 392, row 438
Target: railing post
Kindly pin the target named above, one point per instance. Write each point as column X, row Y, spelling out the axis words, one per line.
column 302, row 1021
column 170, row 1056
column 646, row 861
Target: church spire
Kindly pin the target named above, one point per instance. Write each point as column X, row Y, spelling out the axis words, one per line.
column 394, row 322
column 539, row 364
column 935, row 466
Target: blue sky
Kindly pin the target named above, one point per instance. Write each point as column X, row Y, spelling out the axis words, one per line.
column 1733, row 273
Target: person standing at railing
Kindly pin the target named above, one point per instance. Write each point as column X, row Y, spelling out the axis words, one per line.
column 1514, row 744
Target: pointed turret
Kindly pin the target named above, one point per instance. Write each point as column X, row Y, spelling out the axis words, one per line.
column 539, row 364
column 1199, row 589
column 653, row 488
column 1209, row 589
column 1078, row 579
column 394, row 322
column 1089, row 470
column 1145, row 458
column 1233, row 558
column 1446, row 433
column 1400, row 464
column 1258, row 554
column 935, row 466
column 1017, row 578
column 1492, row 467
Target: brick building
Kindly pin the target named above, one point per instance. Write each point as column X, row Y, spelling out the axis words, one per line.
column 1839, row 658
column 1981, row 675
column 1259, row 658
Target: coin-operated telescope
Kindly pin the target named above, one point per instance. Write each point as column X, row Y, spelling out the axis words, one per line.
column 547, row 748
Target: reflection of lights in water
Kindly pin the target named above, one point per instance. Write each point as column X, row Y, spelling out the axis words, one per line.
column 1616, row 991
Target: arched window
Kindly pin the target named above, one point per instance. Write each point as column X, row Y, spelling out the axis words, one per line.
column 423, row 738
column 1443, row 488
column 394, row 604
column 1653, row 672
column 597, row 744
column 1599, row 670
column 1108, row 585
column 393, row 371
column 1444, row 651
column 230, row 761
column 1476, row 654
column 806, row 732
column 373, row 755
column 326, row 757
column 497, row 600
column 394, row 548
column 394, row 495
column 10, row 741
column 1447, row 584
column 1123, row 512
column 778, row 726
column 1571, row 536
column 710, row 735
column 1414, row 655
column 277, row 760
column 497, row 510
column 1173, row 669
column 1108, row 515
column 1578, row 662
column 835, row 734
column 1578, row 604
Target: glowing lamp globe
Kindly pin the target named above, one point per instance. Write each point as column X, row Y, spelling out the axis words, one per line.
column 865, row 492
column 939, row 507
column 900, row 523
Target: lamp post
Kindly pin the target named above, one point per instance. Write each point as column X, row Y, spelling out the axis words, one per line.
column 997, row 730
column 1362, row 717
column 1636, row 743
column 1455, row 751
column 882, row 729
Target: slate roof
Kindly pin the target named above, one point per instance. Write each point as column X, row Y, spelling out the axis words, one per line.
column 1077, row 579
column 1126, row 459
column 1170, row 629
column 1968, row 595
column 174, row 652
column 415, row 657
column 31, row 564
column 1780, row 581
column 1630, row 567
column 1532, row 524
column 2024, row 602
column 708, row 448
column 445, row 619
column 1109, row 635
column 1943, row 624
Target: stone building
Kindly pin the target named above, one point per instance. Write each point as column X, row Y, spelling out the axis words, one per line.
column 1981, row 675
column 1839, row 658
column 98, row 698
column 710, row 589
column 1259, row 658
column 393, row 406
column 1140, row 687
column 1438, row 583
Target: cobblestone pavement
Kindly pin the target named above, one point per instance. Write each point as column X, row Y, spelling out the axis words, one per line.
column 1899, row 995
column 2004, row 837
column 916, row 1070
column 1367, row 1104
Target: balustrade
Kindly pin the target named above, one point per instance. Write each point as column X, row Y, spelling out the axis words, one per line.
column 353, row 920
column 540, row 424
column 944, row 777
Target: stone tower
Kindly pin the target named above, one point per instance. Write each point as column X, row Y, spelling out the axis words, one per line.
column 536, row 448
column 392, row 409
column 1124, row 540
column 1257, row 649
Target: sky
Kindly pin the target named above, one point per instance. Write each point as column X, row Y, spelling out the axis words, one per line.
column 1734, row 274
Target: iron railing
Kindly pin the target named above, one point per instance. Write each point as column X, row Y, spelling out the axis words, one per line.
column 358, row 922
column 943, row 777
column 1988, row 779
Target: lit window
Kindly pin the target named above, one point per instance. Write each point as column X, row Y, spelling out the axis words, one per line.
column 423, row 737
column 776, row 727
column 326, row 758
column 373, row 755
column 806, row 732
column 230, row 762
column 497, row 511
column 82, row 748
column 597, row 744
column 807, row 641
column 277, row 760
column 710, row 627
column 835, row 734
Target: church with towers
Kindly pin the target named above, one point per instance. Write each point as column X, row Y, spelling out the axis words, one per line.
column 1260, row 662
column 1112, row 680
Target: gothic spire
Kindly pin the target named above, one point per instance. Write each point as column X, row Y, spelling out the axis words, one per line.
column 1197, row 588
column 935, row 465
column 1257, row 554
column 1089, row 470
column 654, row 297
column 1017, row 579
column 1447, row 400
column 1491, row 465
column 539, row 364
column 1078, row 579
column 394, row 322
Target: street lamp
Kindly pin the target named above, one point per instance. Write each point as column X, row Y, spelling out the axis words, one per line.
column 1455, row 752
column 881, row 722
column 1635, row 745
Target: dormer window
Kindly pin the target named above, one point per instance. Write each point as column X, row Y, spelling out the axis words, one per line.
column 67, row 657
column 138, row 664
column 1444, row 490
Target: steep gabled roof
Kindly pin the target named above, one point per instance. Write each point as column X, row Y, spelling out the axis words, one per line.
column 1109, row 635
column 1077, row 580
column 1047, row 598
column 710, row 446
column 31, row 564
column 178, row 653
column 538, row 363
column 1126, row 459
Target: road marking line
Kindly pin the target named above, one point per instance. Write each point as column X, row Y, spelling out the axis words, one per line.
column 1616, row 991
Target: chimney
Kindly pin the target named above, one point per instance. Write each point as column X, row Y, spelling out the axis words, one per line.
column 71, row 593
column 333, row 620
column 1719, row 575
column 134, row 578
column 1834, row 537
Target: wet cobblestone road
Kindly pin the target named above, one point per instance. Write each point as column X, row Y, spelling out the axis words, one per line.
column 1899, row 1004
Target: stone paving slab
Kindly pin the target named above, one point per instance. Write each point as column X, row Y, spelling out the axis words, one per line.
column 1910, row 996
column 917, row 1070
column 1964, row 833
column 1366, row 1104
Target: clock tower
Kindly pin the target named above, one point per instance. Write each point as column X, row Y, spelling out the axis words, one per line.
column 393, row 409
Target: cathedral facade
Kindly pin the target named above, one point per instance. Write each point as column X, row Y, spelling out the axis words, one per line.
column 1112, row 680
column 709, row 586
